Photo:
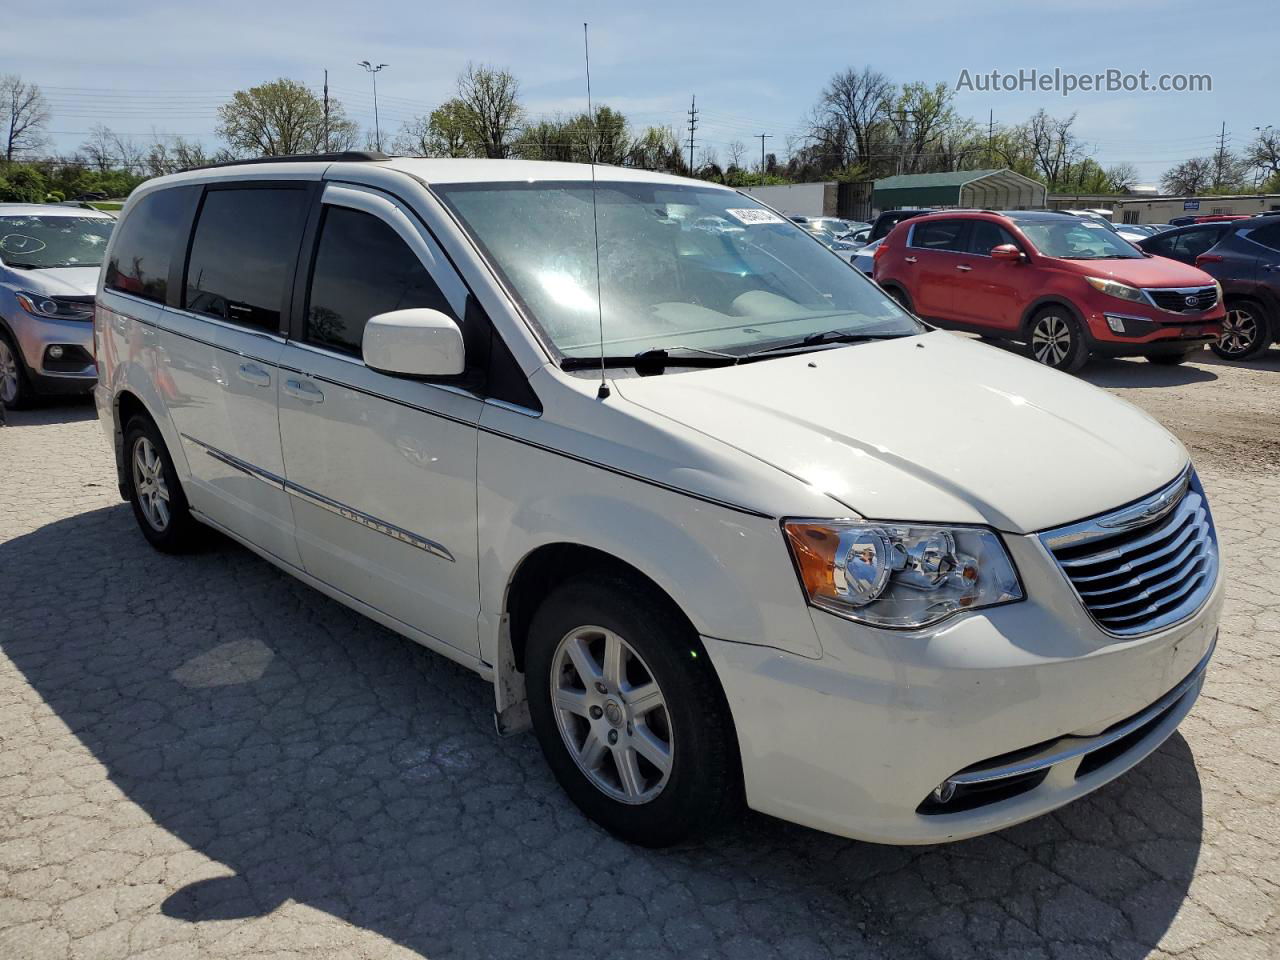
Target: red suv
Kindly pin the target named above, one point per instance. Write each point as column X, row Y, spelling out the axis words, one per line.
column 1067, row 286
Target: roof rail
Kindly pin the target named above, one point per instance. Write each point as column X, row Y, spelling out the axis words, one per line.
column 346, row 156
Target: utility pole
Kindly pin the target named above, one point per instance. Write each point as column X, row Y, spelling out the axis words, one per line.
column 693, row 125
column 991, row 137
column 763, row 137
column 326, row 111
column 373, row 72
column 1222, row 156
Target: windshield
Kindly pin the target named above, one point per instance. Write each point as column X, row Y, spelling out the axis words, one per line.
column 41, row 241
column 679, row 267
column 1077, row 240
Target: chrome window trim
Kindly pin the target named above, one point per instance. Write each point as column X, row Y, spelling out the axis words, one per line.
column 366, row 520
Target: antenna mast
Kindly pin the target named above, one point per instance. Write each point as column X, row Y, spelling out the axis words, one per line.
column 603, row 392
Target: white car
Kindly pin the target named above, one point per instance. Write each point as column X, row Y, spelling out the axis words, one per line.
column 719, row 521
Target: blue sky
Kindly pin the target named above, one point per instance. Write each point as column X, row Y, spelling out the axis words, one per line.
column 756, row 68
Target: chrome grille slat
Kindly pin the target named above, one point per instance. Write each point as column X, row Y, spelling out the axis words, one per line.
column 1135, row 581
column 1137, row 547
column 1145, row 566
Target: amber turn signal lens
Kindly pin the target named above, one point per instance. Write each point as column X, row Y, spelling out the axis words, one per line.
column 814, row 547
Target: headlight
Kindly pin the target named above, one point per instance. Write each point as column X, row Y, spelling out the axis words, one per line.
column 1114, row 289
column 39, row 306
column 900, row 575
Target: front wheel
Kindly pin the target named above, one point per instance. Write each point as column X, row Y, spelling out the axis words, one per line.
column 15, row 392
column 1056, row 340
column 1244, row 332
column 629, row 712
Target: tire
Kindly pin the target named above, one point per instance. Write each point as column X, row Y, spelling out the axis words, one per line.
column 15, row 388
column 901, row 298
column 1172, row 359
column 1246, row 334
column 1055, row 339
column 153, row 490
column 687, row 721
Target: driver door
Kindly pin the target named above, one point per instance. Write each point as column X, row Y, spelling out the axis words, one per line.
column 381, row 469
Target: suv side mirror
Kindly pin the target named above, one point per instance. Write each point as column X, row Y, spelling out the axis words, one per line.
column 415, row 343
column 1007, row 253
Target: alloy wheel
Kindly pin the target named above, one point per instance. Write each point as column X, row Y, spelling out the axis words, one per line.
column 1239, row 332
column 149, row 484
column 612, row 715
column 1051, row 340
column 8, row 373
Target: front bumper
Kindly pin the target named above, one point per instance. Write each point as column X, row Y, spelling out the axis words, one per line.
column 34, row 336
column 1119, row 328
column 855, row 743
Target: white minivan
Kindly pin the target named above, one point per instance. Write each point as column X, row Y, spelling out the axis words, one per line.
column 714, row 515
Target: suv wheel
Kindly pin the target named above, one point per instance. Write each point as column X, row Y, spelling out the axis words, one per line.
column 629, row 712
column 1244, row 332
column 1055, row 339
column 14, row 390
column 159, row 504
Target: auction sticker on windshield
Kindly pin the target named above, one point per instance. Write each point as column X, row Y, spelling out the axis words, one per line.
column 751, row 216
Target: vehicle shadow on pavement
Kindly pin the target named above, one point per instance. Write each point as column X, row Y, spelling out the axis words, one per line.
column 1136, row 372
column 320, row 759
column 53, row 410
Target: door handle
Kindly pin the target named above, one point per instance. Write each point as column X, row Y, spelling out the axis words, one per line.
column 304, row 390
column 252, row 373
column 910, row 260
column 964, row 267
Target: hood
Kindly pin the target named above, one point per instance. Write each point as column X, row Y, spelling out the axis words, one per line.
column 929, row 428
column 1147, row 272
column 57, row 281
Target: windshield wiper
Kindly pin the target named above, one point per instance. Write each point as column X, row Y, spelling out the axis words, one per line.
column 654, row 360
column 22, row 266
column 819, row 339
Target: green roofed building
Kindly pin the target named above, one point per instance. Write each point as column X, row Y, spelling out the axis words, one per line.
column 980, row 189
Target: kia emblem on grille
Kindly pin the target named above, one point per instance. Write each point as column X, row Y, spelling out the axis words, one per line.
column 1192, row 301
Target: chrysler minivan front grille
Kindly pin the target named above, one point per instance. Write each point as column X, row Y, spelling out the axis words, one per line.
column 1145, row 566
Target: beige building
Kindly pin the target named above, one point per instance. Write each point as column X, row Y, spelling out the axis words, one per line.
column 1163, row 209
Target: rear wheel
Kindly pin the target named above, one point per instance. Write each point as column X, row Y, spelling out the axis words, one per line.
column 629, row 712
column 1055, row 339
column 1245, row 335
column 900, row 297
column 159, row 504
column 15, row 391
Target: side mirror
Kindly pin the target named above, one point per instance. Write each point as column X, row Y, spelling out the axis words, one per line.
column 1006, row 253
column 415, row 343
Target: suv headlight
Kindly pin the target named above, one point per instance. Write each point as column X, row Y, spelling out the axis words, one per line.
column 1113, row 288
column 900, row 575
column 53, row 307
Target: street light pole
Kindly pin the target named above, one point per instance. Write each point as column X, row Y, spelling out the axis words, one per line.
column 373, row 72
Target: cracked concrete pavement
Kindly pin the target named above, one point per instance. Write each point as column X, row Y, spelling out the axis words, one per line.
column 199, row 756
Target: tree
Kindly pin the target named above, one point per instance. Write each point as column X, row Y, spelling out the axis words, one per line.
column 919, row 115
column 23, row 184
column 850, row 115
column 281, row 118
column 1264, row 153
column 25, row 114
column 1122, row 177
column 1054, row 148
column 107, row 150
column 1190, row 177
column 491, row 112
column 737, row 149
column 177, row 154
column 657, row 148
column 442, row 134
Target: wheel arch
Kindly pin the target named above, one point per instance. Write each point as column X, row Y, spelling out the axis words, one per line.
column 1050, row 300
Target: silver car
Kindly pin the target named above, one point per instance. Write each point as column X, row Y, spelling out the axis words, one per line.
column 49, row 260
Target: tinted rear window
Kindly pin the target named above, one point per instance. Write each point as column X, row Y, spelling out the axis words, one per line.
column 937, row 234
column 1268, row 235
column 147, row 242
column 243, row 251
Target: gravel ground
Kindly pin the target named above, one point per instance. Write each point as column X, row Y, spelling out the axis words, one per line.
column 200, row 756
